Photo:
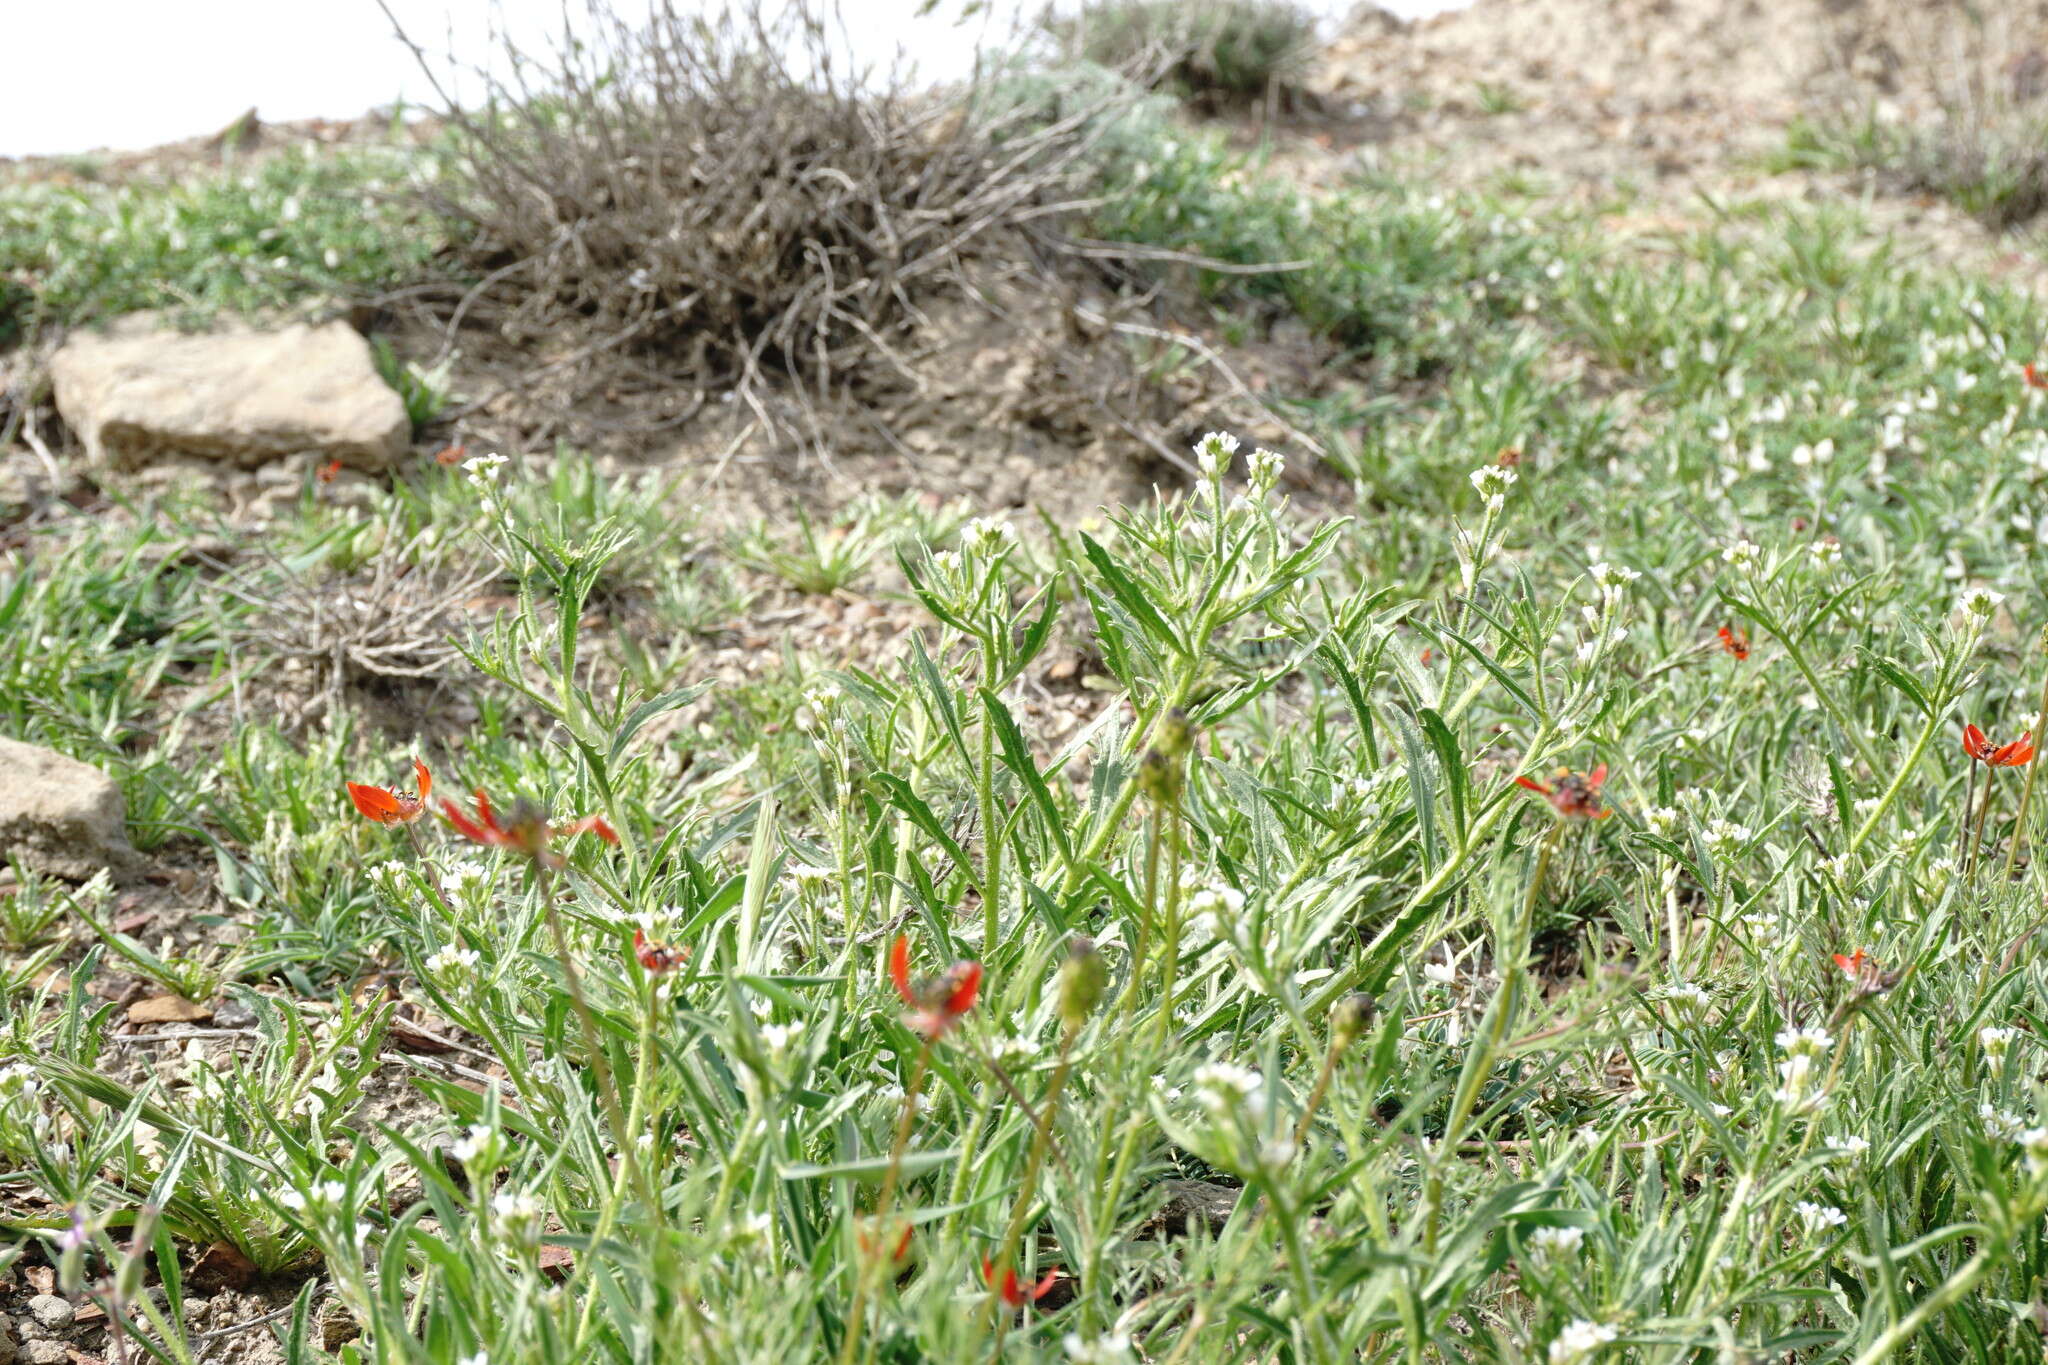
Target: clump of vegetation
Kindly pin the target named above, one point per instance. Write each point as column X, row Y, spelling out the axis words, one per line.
column 1978, row 134
column 716, row 201
column 304, row 224
column 1231, row 50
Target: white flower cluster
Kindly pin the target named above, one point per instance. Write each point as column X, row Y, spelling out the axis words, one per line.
column 1214, row 910
column 1579, row 1340
column 1798, row 1084
column 1493, row 483
column 1264, row 469
column 1224, row 1089
column 2034, row 1141
column 1819, row 1217
column 1978, row 603
column 450, row 964
column 1611, row 579
column 1724, row 837
column 516, row 1219
column 324, row 1196
column 2001, row 1123
column 483, row 470
column 478, row 1145
column 466, row 877
column 1213, row 452
column 1996, row 1041
column 1549, row 1245
column 1743, row 554
column 1113, row 1348
column 988, row 537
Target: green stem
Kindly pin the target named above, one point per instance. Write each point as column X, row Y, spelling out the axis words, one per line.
column 1891, row 793
column 2019, row 820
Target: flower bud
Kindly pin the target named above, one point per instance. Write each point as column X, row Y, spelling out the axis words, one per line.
column 1083, row 979
column 1351, row 1016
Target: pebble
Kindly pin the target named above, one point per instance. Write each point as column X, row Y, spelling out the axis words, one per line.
column 51, row 1311
column 47, row 1353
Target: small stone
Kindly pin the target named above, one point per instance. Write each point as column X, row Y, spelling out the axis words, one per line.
column 168, row 1009
column 239, row 395
column 51, row 1311
column 59, row 815
column 48, row 1353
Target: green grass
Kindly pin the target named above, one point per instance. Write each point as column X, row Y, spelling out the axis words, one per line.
column 298, row 226
column 1611, row 1097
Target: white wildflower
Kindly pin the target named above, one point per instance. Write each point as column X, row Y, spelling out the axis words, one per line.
column 1819, row 1217
column 1996, row 1041
column 483, row 469
column 1578, row 1341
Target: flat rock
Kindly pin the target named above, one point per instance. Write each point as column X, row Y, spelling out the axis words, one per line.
column 140, row 391
column 59, row 815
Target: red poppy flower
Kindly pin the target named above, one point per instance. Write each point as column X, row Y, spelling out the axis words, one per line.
column 388, row 807
column 657, row 958
column 935, row 1004
column 1014, row 1292
column 1576, row 795
column 1738, row 645
column 2014, row 755
column 524, row 832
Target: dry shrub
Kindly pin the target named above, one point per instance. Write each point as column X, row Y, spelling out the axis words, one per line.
column 1963, row 107
column 692, row 205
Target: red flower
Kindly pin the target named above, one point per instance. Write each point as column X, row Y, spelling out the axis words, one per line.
column 527, row 833
column 1867, row 976
column 869, row 1248
column 657, row 958
column 328, row 471
column 2035, row 379
column 935, row 1004
column 1576, row 795
column 1013, row 1291
column 388, row 807
column 451, row 454
column 1738, row 645
column 2014, row 755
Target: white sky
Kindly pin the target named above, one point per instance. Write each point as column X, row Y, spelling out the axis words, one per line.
column 86, row 74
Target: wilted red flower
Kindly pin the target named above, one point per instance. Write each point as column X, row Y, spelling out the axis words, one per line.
column 451, row 454
column 935, row 1004
column 657, row 958
column 1738, row 645
column 1508, row 458
column 1576, row 795
column 869, row 1246
column 1863, row 971
column 525, row 831
column 2014, row 755
column 388, row 807
column 1011, row 1290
